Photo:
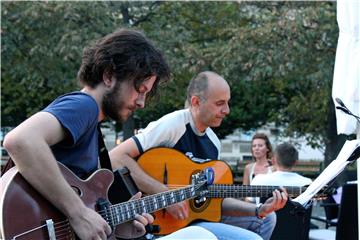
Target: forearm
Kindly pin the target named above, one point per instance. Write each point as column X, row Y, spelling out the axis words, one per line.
column 146, row 183
column 235, row 207
column 123, row 156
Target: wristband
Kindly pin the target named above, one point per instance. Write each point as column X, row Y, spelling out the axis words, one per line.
column 257, row 210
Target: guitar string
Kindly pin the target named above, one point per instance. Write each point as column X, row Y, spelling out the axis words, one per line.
column 130, row 212
column 65, row 232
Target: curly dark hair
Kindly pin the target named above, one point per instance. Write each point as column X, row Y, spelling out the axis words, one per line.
column 125, row 54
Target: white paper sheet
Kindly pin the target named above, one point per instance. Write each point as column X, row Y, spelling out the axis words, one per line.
column 330, row 172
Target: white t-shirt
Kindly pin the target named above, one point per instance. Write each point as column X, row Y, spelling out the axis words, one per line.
column 177, row 130
column 281, row 178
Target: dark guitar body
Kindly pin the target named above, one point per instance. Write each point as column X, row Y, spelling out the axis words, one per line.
column 23, row 209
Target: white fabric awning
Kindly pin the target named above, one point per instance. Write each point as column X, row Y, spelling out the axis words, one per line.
column 346, row 82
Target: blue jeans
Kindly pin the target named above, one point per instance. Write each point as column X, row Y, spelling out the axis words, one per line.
column 228, row 232
column 263, row 227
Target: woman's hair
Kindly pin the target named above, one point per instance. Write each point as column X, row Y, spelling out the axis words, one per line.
column 262, row 136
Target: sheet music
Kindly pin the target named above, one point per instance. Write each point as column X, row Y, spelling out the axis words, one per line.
column 330, row 172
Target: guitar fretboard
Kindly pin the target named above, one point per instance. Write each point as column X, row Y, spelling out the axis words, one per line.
column 240, row 191
column 123, row 212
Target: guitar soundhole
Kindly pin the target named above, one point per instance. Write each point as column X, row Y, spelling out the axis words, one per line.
column 77, row 190
column 199, row 206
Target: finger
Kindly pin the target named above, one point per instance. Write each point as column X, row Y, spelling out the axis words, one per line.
column 148, row 217
column 102, row 235
column 284, row 196
column 278, row 195
column 136, row 196
column 108, row 230
column 139, row 227
column 141, row 219
column 183, row 213
column 277, row 199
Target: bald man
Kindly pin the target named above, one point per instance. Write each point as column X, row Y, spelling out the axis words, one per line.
column 189, row 131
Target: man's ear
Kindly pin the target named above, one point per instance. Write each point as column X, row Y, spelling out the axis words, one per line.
column 108, row 79
column 195, row 101
column 273, row 160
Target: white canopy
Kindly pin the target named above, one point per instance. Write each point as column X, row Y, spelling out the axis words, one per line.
column 346, row 83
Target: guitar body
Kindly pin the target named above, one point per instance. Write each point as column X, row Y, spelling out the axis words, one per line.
column 174, row 168
column 24, row 211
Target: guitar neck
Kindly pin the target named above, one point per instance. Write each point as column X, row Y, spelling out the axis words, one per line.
column 123, row 212
column 241, row 191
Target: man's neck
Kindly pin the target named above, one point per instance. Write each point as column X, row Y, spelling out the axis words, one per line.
column 199, row 127
column 97, row 94
column 282, row 169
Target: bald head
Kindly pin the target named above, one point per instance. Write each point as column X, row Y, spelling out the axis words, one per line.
column 204, row 83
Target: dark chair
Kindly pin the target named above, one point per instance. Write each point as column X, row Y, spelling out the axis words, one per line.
column 347, row 226
column 331, row 209
column 293, row 222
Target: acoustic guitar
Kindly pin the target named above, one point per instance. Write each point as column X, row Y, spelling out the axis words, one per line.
column 174, row 169
column 25, row 214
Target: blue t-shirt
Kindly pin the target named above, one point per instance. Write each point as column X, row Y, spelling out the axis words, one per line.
column 78, row 113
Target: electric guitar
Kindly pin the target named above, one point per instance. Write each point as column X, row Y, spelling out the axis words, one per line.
column 173, row 168
column 25, row 214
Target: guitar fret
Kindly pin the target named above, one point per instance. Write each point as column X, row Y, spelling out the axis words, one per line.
column 155, row 203
column 224, row 190
column 163, row 200
column 144, row 206
column 173, row 200
column 126, row 211
column 112, row 216
column 118, row 215
column 133, row 208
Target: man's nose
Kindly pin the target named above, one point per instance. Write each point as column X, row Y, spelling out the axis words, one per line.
column 140, row 101
column 226, row 109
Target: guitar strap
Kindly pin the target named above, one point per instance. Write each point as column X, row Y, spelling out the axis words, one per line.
column 103, row 152
column 124, row 186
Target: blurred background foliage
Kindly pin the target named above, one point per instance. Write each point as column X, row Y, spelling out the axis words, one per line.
column 278, row 57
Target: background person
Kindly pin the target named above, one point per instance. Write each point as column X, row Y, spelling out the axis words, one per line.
column 261, row 152
column 285, row 158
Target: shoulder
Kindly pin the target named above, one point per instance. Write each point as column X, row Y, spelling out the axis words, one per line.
column 249, row 165
column 76, row 101
column 77, row 112
column 176, row 117
column 165, row 132
column 260, row 179
column 213, row 137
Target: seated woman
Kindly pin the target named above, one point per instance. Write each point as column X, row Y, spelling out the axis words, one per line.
column 262, row 152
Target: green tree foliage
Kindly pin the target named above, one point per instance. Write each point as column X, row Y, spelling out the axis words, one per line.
column 277, row 56
column 41, row 51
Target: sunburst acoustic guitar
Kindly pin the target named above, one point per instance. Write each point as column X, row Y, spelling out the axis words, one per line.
column 174, row 169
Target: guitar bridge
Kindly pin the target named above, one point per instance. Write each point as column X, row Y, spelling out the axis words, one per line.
column 51, row 229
